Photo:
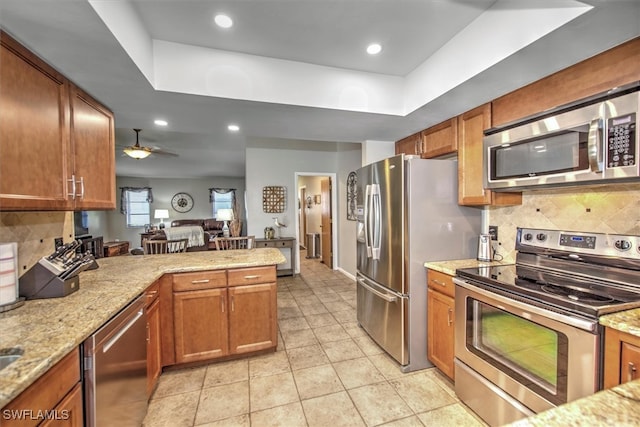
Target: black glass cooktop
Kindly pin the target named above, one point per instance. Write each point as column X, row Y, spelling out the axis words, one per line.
column 560, row 290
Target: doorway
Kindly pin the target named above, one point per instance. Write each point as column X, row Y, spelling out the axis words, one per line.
column 314, row 222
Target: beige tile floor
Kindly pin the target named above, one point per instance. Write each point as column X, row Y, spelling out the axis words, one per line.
column 326, row 372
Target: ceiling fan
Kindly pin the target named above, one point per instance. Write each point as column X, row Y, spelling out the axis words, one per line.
column 140, row 152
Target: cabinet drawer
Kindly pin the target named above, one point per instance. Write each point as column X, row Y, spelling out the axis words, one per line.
column 248, row 276
column 274, row 243
column 151, row 293
column 199, row 280
column 441, row 282
column 48, row 390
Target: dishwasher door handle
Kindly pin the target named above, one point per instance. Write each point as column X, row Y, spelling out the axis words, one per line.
column 122, row 331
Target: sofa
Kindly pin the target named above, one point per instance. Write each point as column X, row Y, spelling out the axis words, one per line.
column 211, row 227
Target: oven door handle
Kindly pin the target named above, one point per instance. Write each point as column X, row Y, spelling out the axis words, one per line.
column 583, row 324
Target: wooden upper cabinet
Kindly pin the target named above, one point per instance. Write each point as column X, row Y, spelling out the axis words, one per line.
column 34, row 131
column 57, row 144
column 440, row 139
column 93, row 142
column 471, row 191
column 410, row 144
column 614, row 67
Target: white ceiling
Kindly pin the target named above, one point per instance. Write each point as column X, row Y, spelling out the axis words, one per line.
column 145, row 60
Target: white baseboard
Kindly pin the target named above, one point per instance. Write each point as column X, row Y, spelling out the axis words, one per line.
column 346, row 273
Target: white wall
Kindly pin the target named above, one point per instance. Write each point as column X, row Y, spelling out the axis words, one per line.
column 113, row 223
column 274, row 165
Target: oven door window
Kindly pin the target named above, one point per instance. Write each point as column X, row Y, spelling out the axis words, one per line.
column 532, row 354
column 561, row 152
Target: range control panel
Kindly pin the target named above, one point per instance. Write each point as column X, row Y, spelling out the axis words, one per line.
column 617, row 245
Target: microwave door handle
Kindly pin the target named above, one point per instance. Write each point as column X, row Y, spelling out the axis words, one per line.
column 367, row 223
column 595, row 145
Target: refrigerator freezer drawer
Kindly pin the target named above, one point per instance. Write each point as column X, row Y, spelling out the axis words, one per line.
column 383, row 315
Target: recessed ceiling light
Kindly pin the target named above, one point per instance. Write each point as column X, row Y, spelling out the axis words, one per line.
column 161, row 122
column 374, row 49
column 223, row 21
column 233, row 128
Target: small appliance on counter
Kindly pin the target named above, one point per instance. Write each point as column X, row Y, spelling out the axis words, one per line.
column 485, row 252
column 9, row 298
column 56, row 275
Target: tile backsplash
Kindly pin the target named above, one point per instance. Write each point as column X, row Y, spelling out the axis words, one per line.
column 603, row 209
column 34, row 232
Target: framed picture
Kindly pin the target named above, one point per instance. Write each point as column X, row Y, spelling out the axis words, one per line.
column 352, row 189
column 273, row 198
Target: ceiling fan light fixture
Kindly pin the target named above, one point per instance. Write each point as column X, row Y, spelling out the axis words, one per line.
column 136, row 153
column 233, row 128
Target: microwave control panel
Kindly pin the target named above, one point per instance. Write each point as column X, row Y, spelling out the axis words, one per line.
column 621, row 141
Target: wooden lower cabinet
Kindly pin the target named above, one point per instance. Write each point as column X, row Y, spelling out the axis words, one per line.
column 200, row 325
column 440, row 321
column 229, row 313
column 621, row 357
column 252, row 322
column 154, row 344
column 69, row 412
column 56, row 396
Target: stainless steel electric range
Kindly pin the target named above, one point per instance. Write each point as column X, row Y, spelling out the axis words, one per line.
column 527, row 334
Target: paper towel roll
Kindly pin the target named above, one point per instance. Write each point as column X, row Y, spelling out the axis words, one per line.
column 8, row 273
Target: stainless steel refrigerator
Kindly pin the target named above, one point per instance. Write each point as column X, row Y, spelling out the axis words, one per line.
column 407, row 214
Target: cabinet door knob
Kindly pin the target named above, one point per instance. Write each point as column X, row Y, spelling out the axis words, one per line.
column 631, row 371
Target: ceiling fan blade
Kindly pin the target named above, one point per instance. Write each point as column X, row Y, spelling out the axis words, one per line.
column 162, row 152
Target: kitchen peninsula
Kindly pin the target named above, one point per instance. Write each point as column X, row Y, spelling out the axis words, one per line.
column 47, row 330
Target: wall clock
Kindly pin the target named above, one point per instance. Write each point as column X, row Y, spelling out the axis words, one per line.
column 182, row 202
column 352, row 180
column 273, row 199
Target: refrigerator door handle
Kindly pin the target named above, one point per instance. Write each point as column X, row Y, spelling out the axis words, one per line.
column 386, row 297
column 367, row 223
column 377, row 221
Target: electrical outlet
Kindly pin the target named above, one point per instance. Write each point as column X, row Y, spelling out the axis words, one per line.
column 57, row 242
column 493, row 230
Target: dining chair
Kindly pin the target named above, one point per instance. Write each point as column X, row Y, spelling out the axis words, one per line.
column 242, row 242
column 154, row 247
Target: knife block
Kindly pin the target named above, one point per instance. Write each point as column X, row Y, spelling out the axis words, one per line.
column 39, row 282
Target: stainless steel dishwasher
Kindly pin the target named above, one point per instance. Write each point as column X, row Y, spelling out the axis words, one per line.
column 115, row 370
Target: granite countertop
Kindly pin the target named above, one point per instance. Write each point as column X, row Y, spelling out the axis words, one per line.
column 449, row 267
column 48, row 329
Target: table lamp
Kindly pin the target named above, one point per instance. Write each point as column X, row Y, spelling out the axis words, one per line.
column 225, row 215
column 161, row 214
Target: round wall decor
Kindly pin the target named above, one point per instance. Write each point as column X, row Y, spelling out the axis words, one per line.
column 182, row 202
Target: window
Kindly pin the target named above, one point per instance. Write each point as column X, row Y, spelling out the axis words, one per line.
column 135, row 204
column 222, row 198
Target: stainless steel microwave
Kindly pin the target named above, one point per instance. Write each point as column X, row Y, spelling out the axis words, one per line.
column 592, row 141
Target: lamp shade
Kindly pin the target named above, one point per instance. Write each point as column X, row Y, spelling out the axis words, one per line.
column 161, row 214
column 224, row 214
column 136, row 153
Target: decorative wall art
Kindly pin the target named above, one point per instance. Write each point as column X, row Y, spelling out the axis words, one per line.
column 352, row 180
column 273, row 198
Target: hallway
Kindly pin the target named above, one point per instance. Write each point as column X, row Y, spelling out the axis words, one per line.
column 326, row 372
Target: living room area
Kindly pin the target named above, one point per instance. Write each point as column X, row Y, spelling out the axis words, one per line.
column 197, row 212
